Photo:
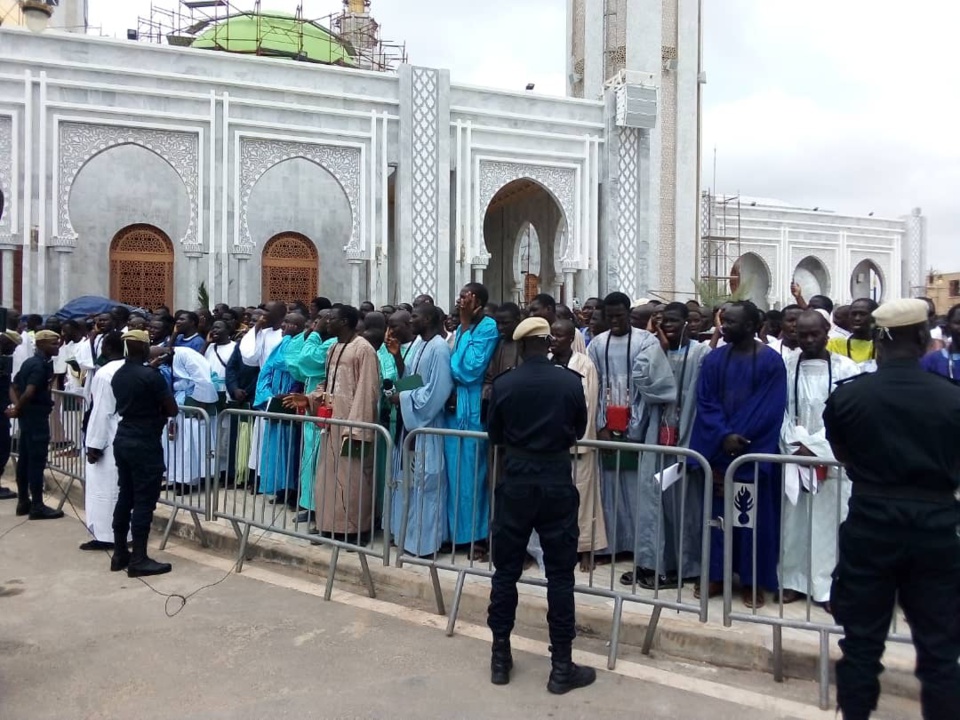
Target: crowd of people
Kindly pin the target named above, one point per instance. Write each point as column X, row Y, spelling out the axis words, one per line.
column 722, row 381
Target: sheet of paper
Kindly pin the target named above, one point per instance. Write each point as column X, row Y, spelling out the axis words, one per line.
column 669, row 475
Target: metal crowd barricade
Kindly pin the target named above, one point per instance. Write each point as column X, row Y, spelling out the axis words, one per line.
column 471, row 453
column 188, row 442
column 738, row 513
column 267, row 470
column 65, row 455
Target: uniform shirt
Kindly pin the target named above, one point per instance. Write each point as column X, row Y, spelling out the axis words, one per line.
column 36, row 371
column 140, row 391
column 899, row 427
column 538, row 408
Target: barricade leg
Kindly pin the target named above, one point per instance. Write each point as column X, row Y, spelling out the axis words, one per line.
column 615, row 633
column 199, row 529
column 778, row 653
column 437, row 593
column 242, row 552
column 367, row 577
column 168, row 528
column 66, row 492
column 455, row 607
column 651, row 630
column 332, row 572
column 824, row 669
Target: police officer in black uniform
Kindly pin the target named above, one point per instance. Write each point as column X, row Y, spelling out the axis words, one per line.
column 537, row 412
column 144, row 402
column 31, row 403
column 897, row 432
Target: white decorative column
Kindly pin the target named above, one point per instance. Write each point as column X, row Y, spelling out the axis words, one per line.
column 193, row 253
column 355, row 281
column 8, row 244
column 243, row 253
column 424, row 183
column 569, row 285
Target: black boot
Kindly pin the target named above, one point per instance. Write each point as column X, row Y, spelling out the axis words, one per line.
column 140, row 564
column 501, row 661
column 23, row 506
column 6, row 494
column 39, row 511
column 121, row 557
column 565, row 674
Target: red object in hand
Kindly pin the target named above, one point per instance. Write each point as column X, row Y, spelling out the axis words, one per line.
column 668, row 436
column 821, row 471
column 324, row 412
column 618, row 418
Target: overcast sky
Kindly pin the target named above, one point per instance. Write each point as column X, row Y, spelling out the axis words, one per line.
column 843, row 104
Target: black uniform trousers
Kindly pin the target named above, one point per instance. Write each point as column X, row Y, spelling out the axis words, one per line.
column 32, row 455
column 523, row 504
column 140, row 471
column 5, row 442
column 881, row 561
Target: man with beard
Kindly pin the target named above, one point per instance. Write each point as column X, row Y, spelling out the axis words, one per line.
column 817, row 496
column 741, row 398
column 506, row 356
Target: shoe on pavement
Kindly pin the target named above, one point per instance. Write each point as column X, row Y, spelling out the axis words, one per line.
column 566, row 676
column 7, row 494
column 42, row 512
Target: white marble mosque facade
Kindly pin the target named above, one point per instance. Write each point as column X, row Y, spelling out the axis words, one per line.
column 402, row 183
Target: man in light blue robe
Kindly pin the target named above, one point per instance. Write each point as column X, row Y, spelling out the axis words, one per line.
column 422, row 504
column 279, row 455
column 634, row 372
column 468, row 503
column 306, row 358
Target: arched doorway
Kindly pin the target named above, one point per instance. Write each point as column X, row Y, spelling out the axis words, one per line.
column 812, row 277
column 513, row 222
column 866, row 281
column 750, row 273
column 291, row 268
column 141, row 267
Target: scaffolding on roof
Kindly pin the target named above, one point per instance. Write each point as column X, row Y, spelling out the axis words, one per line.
column 720, row 242
column 353, row 28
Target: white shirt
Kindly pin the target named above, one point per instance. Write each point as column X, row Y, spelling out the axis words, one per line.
column 255, row 347
column 218, row 356
column 24, row 351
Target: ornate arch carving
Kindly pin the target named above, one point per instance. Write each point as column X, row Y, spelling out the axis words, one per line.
column 6, row 178
column 561, row 183
column 81, row 142
column 141, row 267
column 258, row 155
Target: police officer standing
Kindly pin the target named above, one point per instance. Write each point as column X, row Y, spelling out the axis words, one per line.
column 896, row 432
column 536, row 414
column 144, row 402
column 31, row 403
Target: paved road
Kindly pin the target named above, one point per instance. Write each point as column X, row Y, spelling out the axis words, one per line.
column 77, row 641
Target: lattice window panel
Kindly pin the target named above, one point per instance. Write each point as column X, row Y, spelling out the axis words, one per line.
column 141, row 267
column 290, row 269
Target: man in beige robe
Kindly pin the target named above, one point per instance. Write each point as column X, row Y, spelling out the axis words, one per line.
column 593, row 531
column 344, row 487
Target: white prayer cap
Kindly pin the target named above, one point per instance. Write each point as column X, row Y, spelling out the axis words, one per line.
column 824, row 314
column 901, row 313
column 532, row 327
column 639, row 302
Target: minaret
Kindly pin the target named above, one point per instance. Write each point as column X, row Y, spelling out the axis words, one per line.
column 657, row 44
column 357, row 27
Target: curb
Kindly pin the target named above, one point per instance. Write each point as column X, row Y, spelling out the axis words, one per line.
column 679, row 637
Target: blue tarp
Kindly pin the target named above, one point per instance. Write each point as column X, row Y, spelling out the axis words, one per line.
column 84, row 307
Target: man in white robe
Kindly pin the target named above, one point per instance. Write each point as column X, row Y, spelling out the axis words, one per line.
column 816, row 501
column 255, row 348
column 101, row 487
column 188, row 436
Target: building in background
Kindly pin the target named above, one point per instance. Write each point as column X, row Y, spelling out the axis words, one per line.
column 764, row 245
column 943, row 289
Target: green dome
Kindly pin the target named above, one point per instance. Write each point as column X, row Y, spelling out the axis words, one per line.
column 275, row 34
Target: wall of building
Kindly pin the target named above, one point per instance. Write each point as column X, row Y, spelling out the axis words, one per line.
column 823, row 251
column 77, row 111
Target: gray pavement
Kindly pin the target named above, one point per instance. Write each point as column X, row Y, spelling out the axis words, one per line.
column 77, row 641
